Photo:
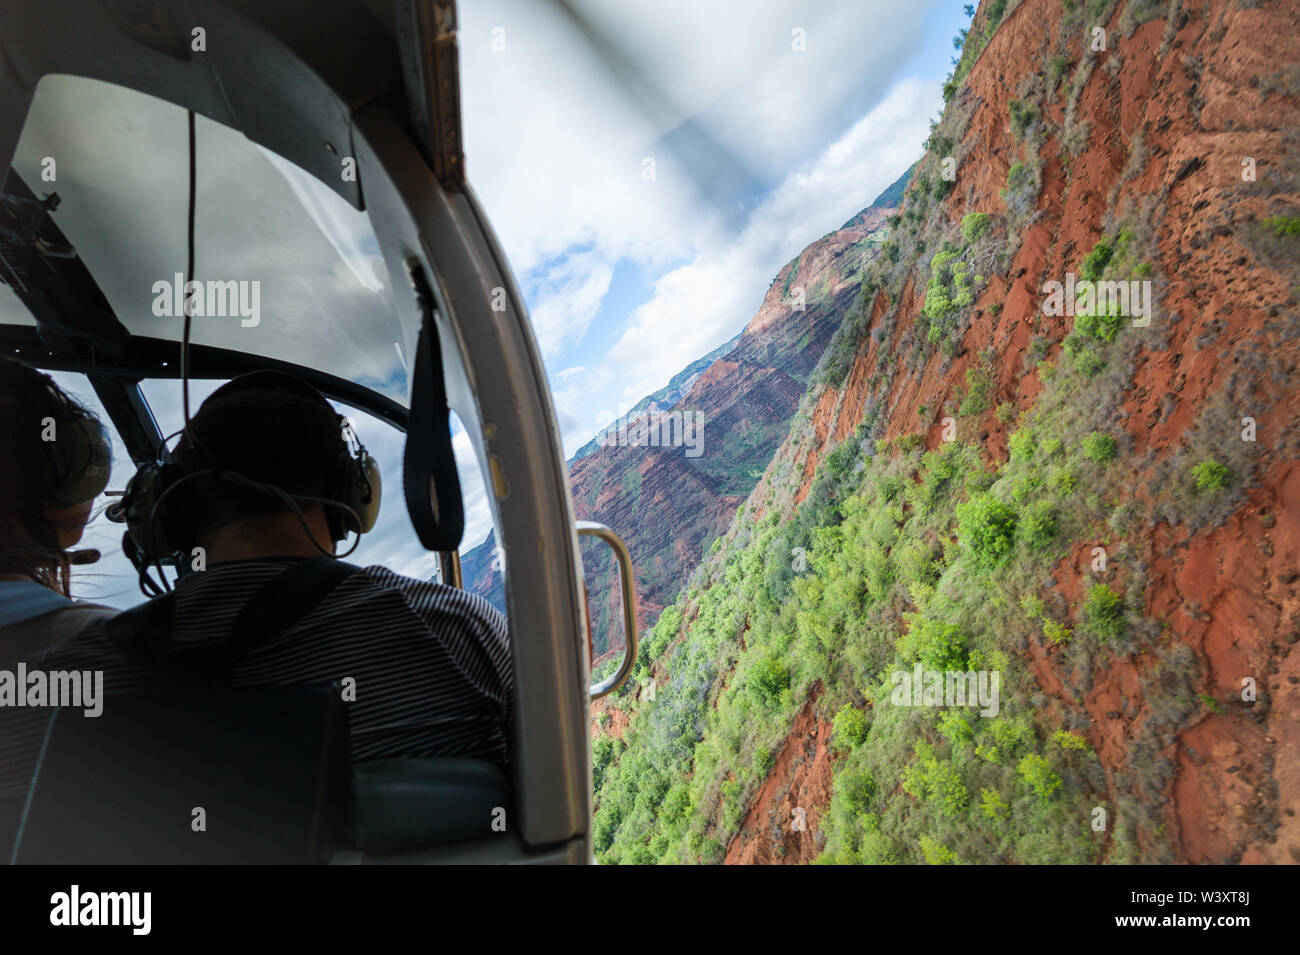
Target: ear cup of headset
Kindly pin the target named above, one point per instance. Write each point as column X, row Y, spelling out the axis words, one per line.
column 366, row 490
column 359, row 488
column 156, row 526
column 78, row 462
column 357, row 485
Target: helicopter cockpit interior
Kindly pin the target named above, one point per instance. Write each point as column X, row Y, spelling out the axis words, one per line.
column 302, row 164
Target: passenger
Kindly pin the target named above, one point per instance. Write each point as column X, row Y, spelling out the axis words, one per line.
column 427, row 666
column 55, row 463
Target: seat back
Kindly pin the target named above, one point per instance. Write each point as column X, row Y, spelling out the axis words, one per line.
column 404, row 805
column 206, row 776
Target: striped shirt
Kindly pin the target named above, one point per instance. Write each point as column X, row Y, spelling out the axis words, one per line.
column 430, row 663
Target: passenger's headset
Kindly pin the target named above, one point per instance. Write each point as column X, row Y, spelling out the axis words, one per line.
column 76, row 465
column 155, row 501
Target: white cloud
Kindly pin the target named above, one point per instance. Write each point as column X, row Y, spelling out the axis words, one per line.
column 698, row 306
column 569, row 293
column 555, row 144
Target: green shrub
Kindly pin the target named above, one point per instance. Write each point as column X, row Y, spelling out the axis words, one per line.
column 936, row 853
column 1035, row 770
column 1022, row 114
column 1101, row 325
column 1060, row 65
column 1103, row 611
column 1021, row 445
column 1055, row 632
column 1065, row 481
column 946, row 785
column 1024, row 487
column 987, row 527
column 928, row 777
column 916, row 562
column 979, row 386
column 1093, row 322
column 848, row 728
column 1095, row 262
column 975, row 225
column 939, row 646
column 1087, row 360
column 1284, row 225
column 1210, row 475
column 1099, row 447
column 1008, row 736
column 956, row 727
column 769, row 677
column 1067, row 740
column 939, row 469
column 857, row 790
column 603, row 751
column 994, row 806
column 1038, row 526
column 950, row 289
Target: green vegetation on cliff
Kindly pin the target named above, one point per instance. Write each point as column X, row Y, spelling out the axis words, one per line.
column 901, row 556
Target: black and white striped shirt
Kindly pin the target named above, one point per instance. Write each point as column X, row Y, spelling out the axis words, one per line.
column 431, row 663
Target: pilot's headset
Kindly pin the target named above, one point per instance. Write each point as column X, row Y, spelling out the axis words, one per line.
column 160, row 501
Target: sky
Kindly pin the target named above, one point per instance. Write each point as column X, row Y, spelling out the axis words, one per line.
column 629, row 279
column 648, row 174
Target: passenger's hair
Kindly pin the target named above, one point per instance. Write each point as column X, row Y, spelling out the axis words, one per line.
column 265, row 426
column 29, row 540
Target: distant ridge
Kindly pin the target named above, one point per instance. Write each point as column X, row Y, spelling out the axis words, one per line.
column 890, row 197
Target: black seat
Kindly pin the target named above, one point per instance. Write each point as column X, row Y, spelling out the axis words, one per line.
column 268, row 767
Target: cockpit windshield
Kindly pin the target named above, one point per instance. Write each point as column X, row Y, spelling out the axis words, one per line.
column 286, row 268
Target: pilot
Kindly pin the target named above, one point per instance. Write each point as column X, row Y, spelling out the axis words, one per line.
column 56, row 458
column 265, row 482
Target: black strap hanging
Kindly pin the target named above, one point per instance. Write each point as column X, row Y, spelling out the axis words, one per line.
column 429, row 477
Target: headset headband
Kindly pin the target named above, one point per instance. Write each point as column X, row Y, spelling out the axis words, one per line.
column 155, row 510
